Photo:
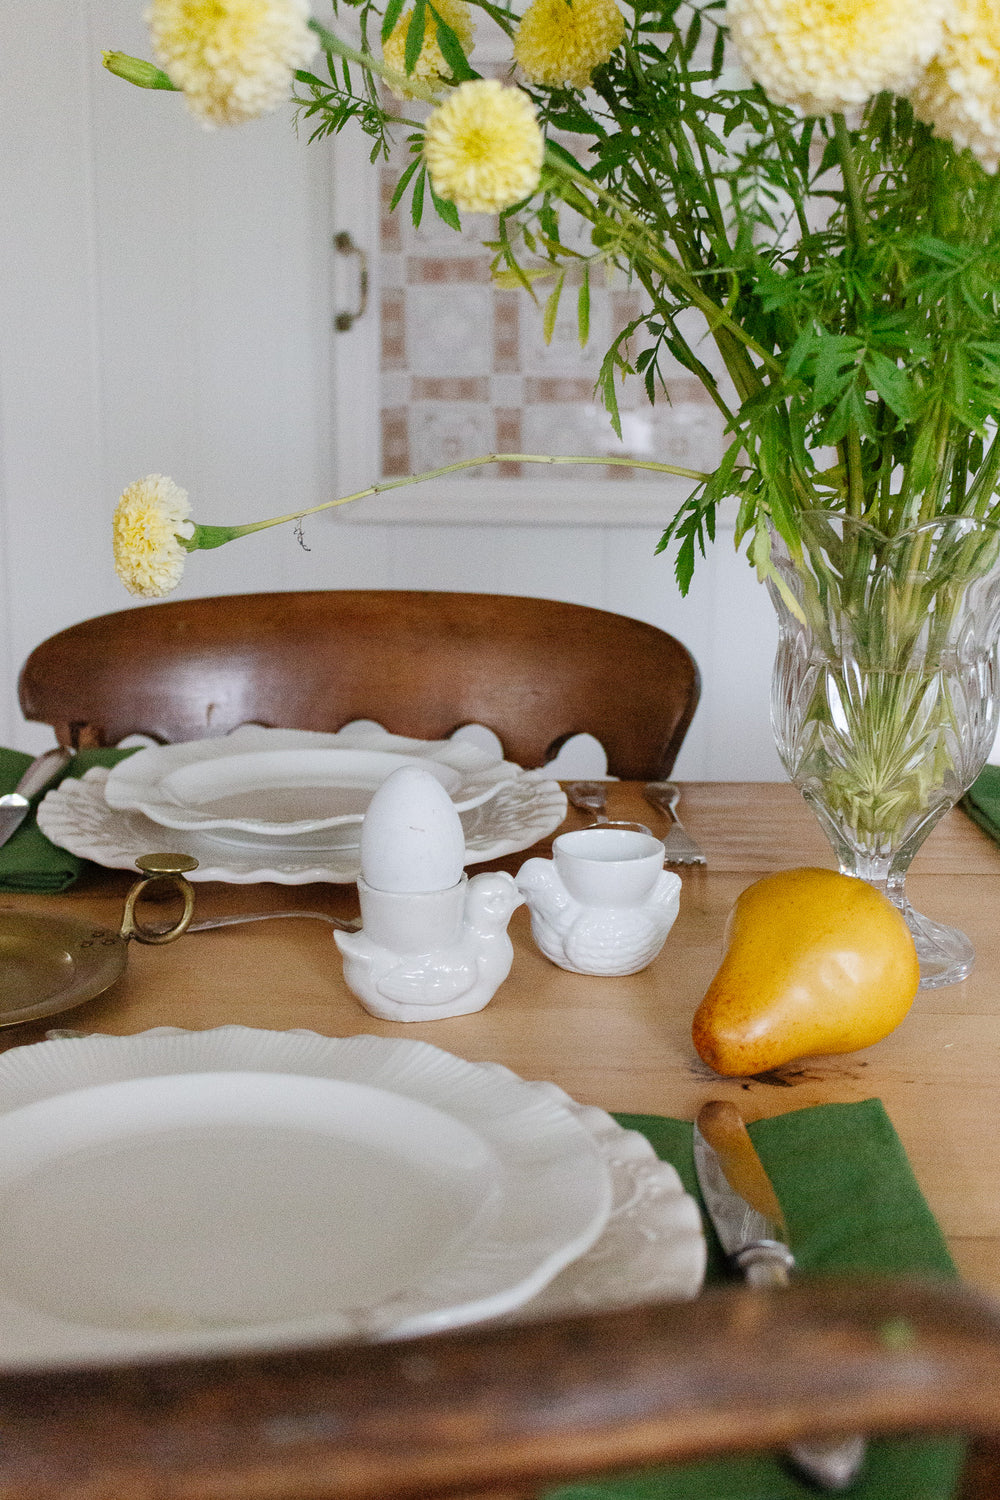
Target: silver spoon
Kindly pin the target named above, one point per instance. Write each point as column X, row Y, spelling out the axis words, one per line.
column 590, row 796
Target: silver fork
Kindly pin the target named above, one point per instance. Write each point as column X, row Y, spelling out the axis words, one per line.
column 680, row 847
column 352, row 924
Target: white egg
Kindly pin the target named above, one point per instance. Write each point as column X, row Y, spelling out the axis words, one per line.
column 412, row 837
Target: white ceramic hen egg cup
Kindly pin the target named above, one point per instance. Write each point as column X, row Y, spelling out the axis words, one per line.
column 604, row 903
column 608, row 866
column 424, row 955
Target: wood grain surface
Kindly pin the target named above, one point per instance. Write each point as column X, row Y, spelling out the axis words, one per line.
column 624, row 1043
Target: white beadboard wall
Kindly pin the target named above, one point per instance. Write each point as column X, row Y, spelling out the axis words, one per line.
column 166, row 307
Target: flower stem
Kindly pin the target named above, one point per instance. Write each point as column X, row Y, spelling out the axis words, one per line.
column 399, row 81
column 207, row 537
column 852, row 183
column 855, row 473
column 671, row 268
column 982, row 492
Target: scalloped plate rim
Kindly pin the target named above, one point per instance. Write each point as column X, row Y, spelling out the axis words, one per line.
column 137, row 784
column 556, row 1186
column 653, row 1244
column 75, row 816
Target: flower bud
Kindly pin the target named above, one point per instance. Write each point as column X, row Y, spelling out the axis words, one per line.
column 145, row 75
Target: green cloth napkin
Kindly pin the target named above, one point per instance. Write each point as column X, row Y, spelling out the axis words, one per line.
column 982, row 801
column 844, row 1157
column 28, row 861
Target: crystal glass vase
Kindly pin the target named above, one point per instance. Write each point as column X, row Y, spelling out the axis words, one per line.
column 884, row 696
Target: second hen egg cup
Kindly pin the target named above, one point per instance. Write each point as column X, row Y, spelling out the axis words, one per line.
column 604, row 903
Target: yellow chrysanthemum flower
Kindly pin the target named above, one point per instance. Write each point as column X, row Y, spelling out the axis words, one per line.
column 562, row 41
column 149, row 518
column 234, row 59
column 959, row 94
column 483, row 147
column 826, row 56
column 430, row 66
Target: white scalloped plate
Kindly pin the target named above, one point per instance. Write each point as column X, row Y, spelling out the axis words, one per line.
column 651, row 1247
column 281, row 783
column 75, row 816
column 183, row 1193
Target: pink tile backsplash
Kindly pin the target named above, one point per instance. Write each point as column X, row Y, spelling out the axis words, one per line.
column 471, row 371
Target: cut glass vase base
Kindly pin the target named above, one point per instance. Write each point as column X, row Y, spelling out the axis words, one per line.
column 945, row 953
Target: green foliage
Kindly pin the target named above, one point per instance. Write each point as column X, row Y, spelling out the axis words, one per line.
column 847, row 278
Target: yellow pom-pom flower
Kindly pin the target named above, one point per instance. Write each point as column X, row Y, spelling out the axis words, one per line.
column 150, row 519
column 483, row 147
column 959, row 94
column 827, row 56
column 430, row 66
column 233, row 59
column 562, row 41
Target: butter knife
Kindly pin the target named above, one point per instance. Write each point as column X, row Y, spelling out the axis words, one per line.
column 14, row 805
column 748, row 1220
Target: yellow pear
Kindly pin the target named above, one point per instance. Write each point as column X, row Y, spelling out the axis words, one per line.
column 814, row 962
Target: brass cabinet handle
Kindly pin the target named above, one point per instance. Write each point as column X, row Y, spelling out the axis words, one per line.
column 344, row 245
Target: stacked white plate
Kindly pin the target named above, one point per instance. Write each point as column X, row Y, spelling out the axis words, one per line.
column 178, row 1193
column 286, row 805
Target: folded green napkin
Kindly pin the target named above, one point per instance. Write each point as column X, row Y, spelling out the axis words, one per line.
column 852, row 1205
column 28, row 861
column 982, row 801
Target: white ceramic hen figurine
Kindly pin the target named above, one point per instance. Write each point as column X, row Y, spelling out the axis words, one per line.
column 445, row 981
column 596, row 939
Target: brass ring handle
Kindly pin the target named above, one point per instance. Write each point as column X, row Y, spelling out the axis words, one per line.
column 344, row 244
column 171, row 868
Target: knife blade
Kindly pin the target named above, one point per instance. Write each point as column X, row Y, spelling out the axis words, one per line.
column 749, row 1222
column 43, row 769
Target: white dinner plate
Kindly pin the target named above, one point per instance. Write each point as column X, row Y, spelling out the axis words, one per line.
column 283, row 783
column 75, row 816
column 182, row 1193
column 652, row 1247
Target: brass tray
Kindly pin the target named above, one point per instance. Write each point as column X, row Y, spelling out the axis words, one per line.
column 49, row 964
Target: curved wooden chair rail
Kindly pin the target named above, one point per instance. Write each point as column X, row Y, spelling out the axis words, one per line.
column 533, row 670
column 511, row 1410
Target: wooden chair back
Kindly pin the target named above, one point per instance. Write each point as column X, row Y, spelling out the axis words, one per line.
column 420, row 663
column 510, row 1411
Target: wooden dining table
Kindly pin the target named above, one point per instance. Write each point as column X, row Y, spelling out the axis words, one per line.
column 624, row 1043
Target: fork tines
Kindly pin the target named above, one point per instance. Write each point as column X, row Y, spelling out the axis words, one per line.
column 680, row 849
